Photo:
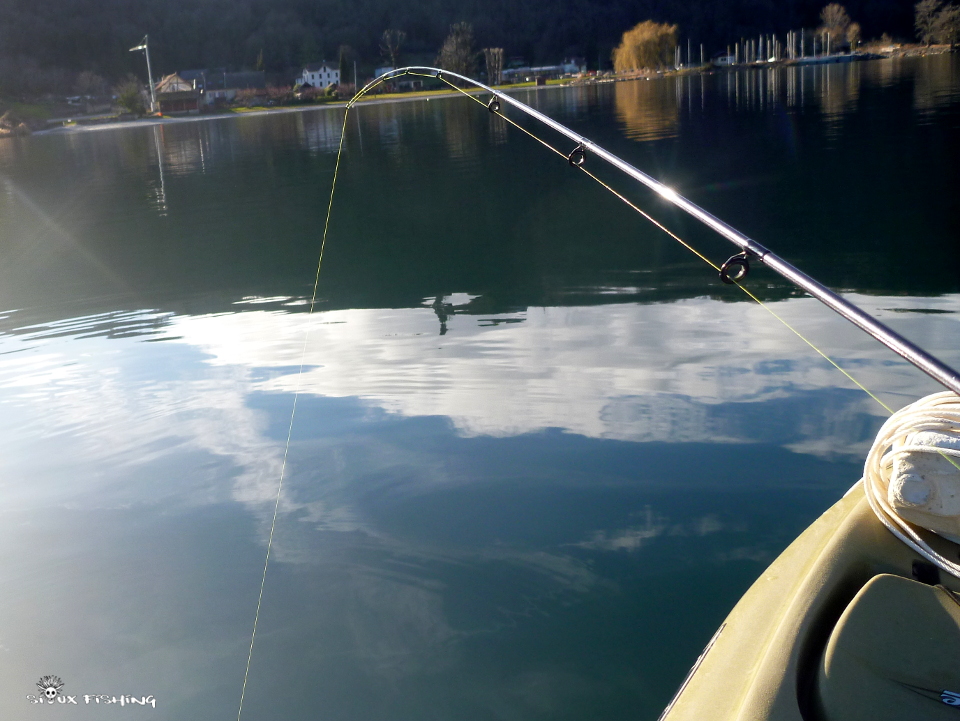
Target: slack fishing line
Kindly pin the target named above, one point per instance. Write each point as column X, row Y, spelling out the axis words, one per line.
column 293, row 413
column 734, row 270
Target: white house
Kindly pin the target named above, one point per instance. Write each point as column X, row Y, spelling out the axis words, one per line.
column 320, row 75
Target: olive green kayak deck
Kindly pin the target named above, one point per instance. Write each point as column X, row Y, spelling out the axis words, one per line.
column 848, row 623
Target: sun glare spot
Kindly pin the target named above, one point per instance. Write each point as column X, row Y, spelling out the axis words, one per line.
column 668, row 193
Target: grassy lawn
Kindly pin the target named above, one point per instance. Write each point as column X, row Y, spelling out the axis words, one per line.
column 448, row 91
column 405, row 95
column 31, row 111
column 260, row 108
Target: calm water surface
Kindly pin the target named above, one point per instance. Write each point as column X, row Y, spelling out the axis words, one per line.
column 539, row 451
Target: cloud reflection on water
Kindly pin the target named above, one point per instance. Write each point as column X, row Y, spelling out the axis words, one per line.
column 688, row 371
column 628, row 372
column 441, row 489
column 685, row 371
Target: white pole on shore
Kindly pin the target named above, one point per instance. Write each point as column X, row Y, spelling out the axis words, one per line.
column 153, row 96
column 153, row 92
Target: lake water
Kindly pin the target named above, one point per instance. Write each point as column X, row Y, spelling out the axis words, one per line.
column 539, row 451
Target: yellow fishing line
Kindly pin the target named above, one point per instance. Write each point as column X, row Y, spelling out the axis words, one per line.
column 293, row 412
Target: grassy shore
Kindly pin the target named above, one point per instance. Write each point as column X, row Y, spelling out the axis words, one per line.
column 404, row 95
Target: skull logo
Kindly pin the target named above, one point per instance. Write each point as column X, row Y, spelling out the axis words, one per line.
column 50, row 686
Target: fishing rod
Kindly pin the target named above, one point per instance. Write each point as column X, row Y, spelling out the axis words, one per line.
column 736, row 267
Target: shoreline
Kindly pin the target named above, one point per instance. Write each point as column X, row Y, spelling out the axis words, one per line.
column 150, row 122
column 445, row 94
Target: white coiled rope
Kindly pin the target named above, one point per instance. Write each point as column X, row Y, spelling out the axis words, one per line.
column 939, row 413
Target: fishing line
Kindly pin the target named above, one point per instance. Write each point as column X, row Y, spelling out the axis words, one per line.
column 937, row 415
column 680, row 240
column 293, row 411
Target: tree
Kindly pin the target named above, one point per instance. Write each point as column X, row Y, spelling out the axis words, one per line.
column 390, row 45
column 835, row 21
column 457, row 54
column 948, row 25
column 854, row 35
column 89, row 83
column 494, row 60
column 647, row 45
column 936, row 22
column 130, row 95
column 925, row 20
column 346, row 58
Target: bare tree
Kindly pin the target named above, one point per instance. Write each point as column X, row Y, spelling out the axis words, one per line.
column 835, row 21
column 89, row 83
column 390, row 44
column 647, row 45
column 925, row 20
column 494, row 59
column 834, row 16
column 457, row 53
column 947, row 28
column 854, row 35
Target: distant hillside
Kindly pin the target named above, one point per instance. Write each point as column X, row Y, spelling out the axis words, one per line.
column 95, row 35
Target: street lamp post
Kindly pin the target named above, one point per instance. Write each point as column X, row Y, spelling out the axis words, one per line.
column 153, row 97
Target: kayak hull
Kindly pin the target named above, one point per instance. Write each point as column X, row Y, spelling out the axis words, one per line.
column 767, row 659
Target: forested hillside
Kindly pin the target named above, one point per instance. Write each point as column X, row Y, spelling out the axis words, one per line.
column 95, row 35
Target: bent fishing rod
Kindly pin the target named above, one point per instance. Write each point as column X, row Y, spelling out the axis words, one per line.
column 735, row 268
